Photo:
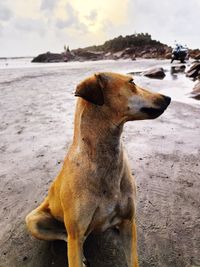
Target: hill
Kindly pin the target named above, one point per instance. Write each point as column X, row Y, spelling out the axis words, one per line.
column 135, row 45
column 130, row 46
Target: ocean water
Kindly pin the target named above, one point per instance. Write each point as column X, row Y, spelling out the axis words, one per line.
column 21, row 72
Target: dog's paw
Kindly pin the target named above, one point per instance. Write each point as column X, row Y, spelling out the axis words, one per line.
column 86, row 263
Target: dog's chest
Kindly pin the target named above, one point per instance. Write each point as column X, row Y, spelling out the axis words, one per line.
column 112, row 211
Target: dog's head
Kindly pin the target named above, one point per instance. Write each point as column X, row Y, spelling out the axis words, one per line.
column 118, row 94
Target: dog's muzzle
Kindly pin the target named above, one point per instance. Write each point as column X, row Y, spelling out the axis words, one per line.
column 161, row 104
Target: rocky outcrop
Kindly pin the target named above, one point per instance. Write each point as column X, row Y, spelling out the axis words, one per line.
column 76, row 55
column 127, row 47
column 49, row 57
column 156, row 73
column 194, row 71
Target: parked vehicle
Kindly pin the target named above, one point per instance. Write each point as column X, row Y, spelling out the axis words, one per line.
column 180, row 52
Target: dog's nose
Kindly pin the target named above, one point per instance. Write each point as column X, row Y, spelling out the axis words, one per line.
column 167, row 99
column 163, row 101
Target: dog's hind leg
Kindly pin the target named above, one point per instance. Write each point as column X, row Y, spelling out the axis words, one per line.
column 129, row 242
column 43, row 225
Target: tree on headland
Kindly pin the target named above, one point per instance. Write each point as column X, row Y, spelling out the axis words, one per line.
column 120, row 43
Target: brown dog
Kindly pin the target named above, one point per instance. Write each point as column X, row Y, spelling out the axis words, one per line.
column 95, row 189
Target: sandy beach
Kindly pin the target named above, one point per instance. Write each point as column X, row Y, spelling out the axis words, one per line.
column 37, row 105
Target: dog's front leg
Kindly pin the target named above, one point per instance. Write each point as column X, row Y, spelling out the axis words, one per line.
column 75, row 248
column 128, row 236
column 77, row 226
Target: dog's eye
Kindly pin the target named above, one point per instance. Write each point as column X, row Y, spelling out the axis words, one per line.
column 132, row 81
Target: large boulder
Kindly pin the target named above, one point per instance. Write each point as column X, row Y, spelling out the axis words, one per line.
column 168, row 55
column 197, row 57
column 196, row 91
column 194, row 71
column 178, row 68
column 194, row 53
column 156, row 73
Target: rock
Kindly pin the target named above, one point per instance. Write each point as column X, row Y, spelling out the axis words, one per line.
column 196, row 91
column 143, row 53
column 54, row 57
column 49, row 57
column 118, row 55
column 135, row 73
column 197, row 87
column 156, row 73
column 126, row 56
column 81, row 54
column 108, row 55
column 74, row 55
column 149, row 55
column 197, row 57
column 194, row 71
column 168, row 55
column 193, row 74
column 178, row 68
column 128, row 53
column 195, row 53
column 133, row 57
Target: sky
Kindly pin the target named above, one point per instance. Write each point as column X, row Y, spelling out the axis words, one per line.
column 30, row 27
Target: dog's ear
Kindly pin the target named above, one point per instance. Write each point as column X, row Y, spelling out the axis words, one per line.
column 92, row 90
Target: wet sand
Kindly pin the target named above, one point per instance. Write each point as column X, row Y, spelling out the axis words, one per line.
column 35, row 131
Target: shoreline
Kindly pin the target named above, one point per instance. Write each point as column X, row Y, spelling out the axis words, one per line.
column 177, row 85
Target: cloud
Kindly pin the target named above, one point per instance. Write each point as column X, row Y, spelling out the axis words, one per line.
column 168, row 20
column 1, row 29
column 94, row 13
column 48, row 24
column 48, row 4
column 71, row 22
column 92, row 16
column 29, row 25
column 5, row 13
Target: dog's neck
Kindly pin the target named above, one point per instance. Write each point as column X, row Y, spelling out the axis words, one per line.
column 96, row 133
